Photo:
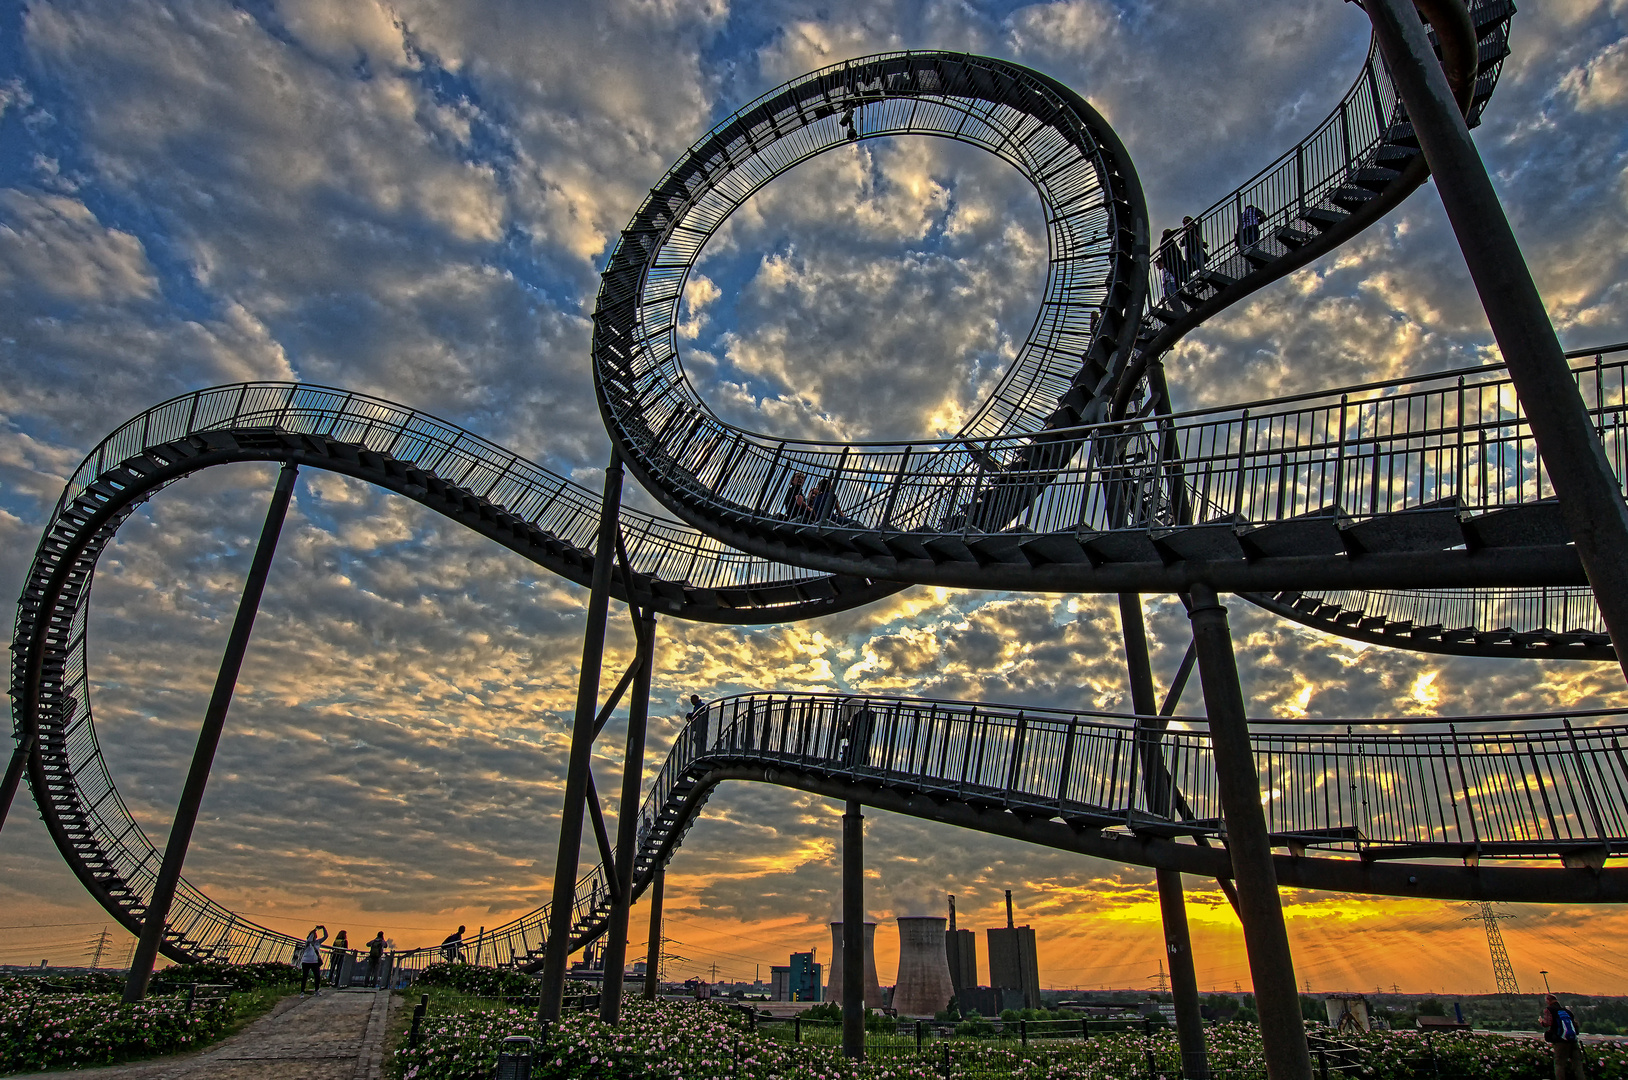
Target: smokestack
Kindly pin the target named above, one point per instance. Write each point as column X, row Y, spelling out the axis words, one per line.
column 1009, row 920
column 923, row 986
column 952, row 913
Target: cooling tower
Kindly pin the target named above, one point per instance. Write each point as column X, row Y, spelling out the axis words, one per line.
column 923, row 987
column 873, row 990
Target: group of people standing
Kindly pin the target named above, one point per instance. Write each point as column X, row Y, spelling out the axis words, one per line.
column 311, row 958
column 1184, row 253
column 818, row 505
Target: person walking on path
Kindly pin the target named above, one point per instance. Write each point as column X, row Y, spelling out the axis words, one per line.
column 698, row 723
column 1195, row 251
column 453, row 947
column 1560, row 1031
column 336, row 957
column 311, row 958
column 1249, row 226
column 797, row 508
column 375, row 956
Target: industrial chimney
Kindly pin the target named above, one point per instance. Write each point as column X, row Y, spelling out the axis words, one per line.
column 961, row 950
column 873, row 989
column 923, row 987
column 1012, row 959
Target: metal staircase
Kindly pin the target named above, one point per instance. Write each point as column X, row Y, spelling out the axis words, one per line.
column 1449, row 808
column 536, row 513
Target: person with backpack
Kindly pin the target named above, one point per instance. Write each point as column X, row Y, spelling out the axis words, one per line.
column 375, row 956
column 1560, row 1031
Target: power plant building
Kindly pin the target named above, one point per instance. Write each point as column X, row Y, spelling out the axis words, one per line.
column 796, row 981
column 961, row 951
column 1013, row 961
column 923, row 987
column 873, row 989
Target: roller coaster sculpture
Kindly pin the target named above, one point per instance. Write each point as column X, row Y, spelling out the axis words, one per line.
column 1413, row 513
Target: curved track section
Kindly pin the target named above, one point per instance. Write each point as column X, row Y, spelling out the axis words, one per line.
column 1078, row 347
column 1299, row 508
column 538, row 514
column 1452, row 809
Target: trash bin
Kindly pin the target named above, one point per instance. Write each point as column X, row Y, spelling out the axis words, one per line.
column 514, row 1060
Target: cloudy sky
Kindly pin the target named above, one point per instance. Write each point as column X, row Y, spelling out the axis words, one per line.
column 414, row 198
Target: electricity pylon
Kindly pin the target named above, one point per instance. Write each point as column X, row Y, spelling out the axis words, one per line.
column 97, row 946
column 1502, row 970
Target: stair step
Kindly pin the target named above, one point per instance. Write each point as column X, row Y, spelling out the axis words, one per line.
column 1374, row 179
column 1527, row 525
column 1257, row 256
column 1322, row 218
column 1124, row 546
column 1402, row 135
column 1292, row 238
column 1317, row 533
column 1054, row 549
column 1394, row 156
column 1490, row 53
column 1217, row 541
column 1489, row 15
column 1352, row 198
column 1429, row 528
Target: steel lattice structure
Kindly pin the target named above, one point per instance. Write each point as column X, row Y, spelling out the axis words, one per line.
column 1414, row 512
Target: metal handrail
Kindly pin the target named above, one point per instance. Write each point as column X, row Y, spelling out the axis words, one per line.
column 1451, row 435
column 662, row 547
column 1362, row 791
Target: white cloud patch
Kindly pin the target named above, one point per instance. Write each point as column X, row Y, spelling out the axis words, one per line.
column 55, row 245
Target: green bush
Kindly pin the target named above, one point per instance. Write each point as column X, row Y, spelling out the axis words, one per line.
column 881, row 1023
column 825, row 1010
column 90, row 982
column 477, row 981
column 238, row 976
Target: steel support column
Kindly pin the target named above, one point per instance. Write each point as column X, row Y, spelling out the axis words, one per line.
column 1195, row 1061
column 561, row 914
column 1591, row 501
column 1266, row 939
column 627, row 822
column 157, row 914
column 853, row 932
column 14, row 774
column 1178, row 947
column 652, row 954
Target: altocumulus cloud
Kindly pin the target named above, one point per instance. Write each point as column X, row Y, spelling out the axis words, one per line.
column 413, row 198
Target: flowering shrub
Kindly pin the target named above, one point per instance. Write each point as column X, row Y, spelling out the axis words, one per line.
column 703, row 1041
column 87, row 982
column 40, row 1031
column 238, row 976
column 655, row 1041
column 479, row 981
